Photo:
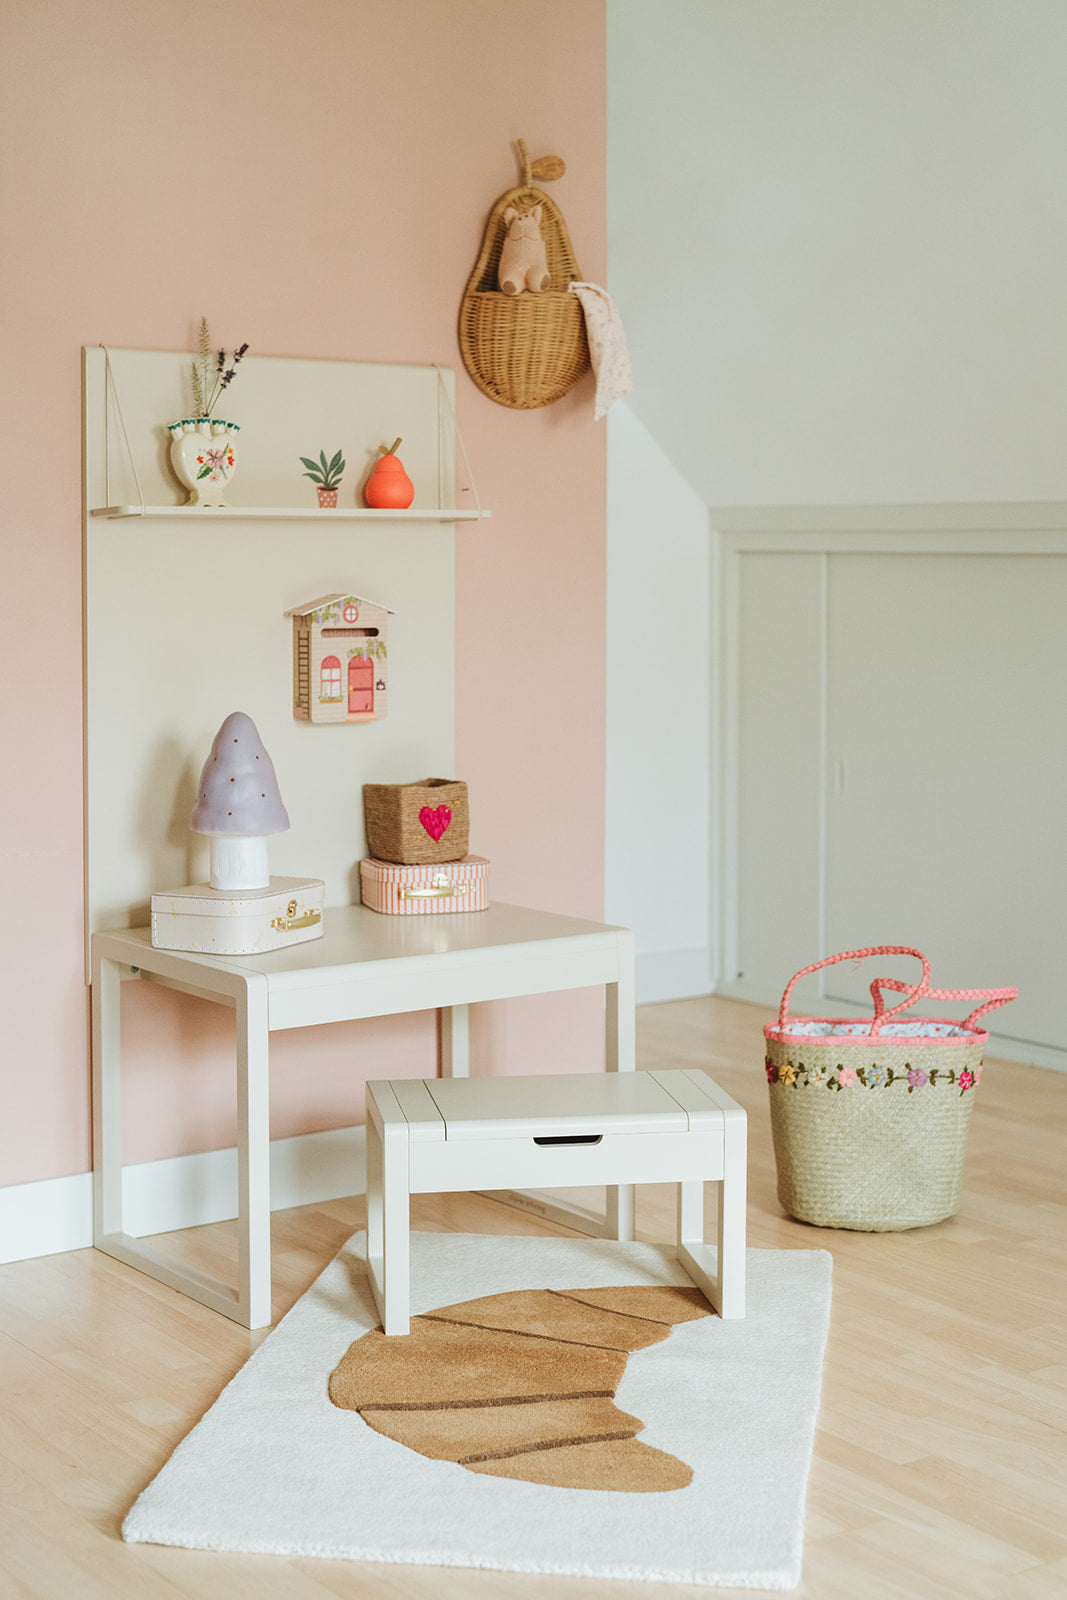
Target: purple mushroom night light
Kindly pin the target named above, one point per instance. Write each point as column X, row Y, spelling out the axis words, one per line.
column 238, row 806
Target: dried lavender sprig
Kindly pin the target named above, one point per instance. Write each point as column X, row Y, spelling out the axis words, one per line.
column 224, row 376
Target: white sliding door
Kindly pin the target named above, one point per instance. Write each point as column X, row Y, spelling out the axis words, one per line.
column 947, row 745
column 895, row 765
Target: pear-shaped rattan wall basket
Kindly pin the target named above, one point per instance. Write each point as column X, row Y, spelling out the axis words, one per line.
column 525, row 350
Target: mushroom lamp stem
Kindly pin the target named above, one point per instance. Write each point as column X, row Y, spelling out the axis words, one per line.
column 239, row 863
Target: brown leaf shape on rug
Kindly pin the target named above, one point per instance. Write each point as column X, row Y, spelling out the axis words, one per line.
column 522, row 1385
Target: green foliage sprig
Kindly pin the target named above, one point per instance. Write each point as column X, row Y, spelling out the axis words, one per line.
column 327, row 474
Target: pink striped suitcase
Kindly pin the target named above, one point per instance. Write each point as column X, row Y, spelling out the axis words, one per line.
column 409, row 891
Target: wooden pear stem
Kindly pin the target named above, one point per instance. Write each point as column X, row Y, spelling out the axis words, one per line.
column 393, row 448
column 545, row 168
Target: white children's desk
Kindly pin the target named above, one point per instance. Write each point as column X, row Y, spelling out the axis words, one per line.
column 365, row 965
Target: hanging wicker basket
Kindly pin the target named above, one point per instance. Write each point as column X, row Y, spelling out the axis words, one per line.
column 525, row 350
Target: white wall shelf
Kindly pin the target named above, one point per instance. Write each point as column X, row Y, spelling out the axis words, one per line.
column 289, row 513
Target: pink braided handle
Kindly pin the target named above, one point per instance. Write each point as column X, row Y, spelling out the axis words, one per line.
column 880, row 1014
column 993, row 998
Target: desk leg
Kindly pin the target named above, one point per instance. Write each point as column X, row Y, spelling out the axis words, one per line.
column 250, row 1304
column 253, row 1153
column 621, row 1056
column 620, row 1042
column 107, row 1100
column 454, row 1023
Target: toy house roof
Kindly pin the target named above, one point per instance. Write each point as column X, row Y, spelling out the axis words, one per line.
column 325, row 600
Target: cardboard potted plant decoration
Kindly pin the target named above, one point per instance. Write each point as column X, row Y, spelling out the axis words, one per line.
column 326, row 475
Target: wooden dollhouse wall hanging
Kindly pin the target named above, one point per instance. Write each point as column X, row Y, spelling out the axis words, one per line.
column 340, row 659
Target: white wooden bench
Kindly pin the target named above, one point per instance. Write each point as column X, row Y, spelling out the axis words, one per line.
column 447, row 1134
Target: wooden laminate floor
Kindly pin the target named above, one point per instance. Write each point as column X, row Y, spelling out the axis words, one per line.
column 940, row 1465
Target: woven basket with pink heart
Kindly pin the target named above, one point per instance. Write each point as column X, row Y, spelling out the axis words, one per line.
column 417, row 824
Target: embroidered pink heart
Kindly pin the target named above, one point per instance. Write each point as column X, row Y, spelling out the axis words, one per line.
column 435, row 822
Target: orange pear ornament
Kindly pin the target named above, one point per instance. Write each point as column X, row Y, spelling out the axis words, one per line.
column 389, row 488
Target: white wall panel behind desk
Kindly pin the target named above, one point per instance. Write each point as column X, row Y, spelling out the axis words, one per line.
column 185, row 618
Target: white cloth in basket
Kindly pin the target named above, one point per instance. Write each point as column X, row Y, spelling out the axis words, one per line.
column 607, row 346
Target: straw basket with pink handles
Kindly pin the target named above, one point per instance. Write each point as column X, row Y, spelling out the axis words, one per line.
column 869, row 1118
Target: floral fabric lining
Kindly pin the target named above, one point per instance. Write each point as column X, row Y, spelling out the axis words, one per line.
column 919, row 1027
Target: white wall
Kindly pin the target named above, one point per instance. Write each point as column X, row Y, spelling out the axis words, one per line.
column 658, row 646
column 836, row 234
column 837, row 231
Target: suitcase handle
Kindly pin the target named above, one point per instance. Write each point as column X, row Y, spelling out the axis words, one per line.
column 444, row 891
column 993, row 998
column 880, row 1014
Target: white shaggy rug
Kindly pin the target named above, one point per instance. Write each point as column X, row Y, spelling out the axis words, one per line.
column 276, row 1468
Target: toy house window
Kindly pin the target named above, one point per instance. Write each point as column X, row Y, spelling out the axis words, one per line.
column 330, row 679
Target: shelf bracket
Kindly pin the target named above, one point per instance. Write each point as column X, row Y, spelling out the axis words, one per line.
column 111, row 389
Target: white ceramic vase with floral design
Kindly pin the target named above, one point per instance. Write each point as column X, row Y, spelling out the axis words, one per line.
column 203, row 453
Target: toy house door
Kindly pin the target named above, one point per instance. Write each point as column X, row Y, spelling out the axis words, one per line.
column 361, row 686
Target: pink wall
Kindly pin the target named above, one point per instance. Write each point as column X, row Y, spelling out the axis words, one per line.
column 313, row 176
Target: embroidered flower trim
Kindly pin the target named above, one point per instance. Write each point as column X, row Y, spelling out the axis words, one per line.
column 873, row 1077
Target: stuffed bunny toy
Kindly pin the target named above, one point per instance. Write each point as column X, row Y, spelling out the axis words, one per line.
column 522, row 257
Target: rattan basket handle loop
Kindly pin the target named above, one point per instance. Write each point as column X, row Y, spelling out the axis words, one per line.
column 921, row 988
column 993, row 998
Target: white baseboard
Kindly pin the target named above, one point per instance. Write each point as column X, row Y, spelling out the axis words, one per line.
column 43, row 1219
column 673, row 975
column 1001, row 1046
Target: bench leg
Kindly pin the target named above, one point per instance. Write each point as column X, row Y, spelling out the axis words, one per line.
column 619, row 1221
column 388, row 1220
column 722, row 1277
column 733, row 1199
column 375, row 1238
column 396, row 1235
column 693, row 1254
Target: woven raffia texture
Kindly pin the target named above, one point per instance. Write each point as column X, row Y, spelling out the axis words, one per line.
column 393, row 819
column 524, row 350
column 869, row 1134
